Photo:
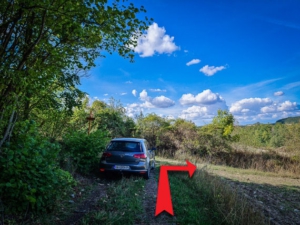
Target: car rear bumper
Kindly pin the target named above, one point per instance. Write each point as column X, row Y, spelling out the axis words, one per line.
column 136, row 168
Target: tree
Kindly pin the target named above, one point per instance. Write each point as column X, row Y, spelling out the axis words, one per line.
column 222, row 125
column 45, row 46
column 151, row 127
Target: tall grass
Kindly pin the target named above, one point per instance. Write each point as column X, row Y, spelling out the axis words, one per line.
column 209, row 199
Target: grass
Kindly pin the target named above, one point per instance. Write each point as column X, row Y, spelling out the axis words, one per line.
column 122, row 205
column 191, row 204
column 208, row 199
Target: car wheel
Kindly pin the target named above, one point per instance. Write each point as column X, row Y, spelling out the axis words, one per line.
column 147, row 175
column 153, row 165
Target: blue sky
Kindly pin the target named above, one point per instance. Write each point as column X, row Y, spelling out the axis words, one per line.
column 201, row 56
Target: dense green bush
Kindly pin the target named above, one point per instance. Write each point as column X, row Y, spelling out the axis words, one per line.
column 30, row 178
column 81, row 151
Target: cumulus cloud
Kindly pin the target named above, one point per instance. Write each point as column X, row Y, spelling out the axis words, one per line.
column 206, row 97
column 105, row 94
column 278, row 93
column 162, row 102
column 211, row 70
column 124, row 93
column 194, row 112
column 134, row 92
column 144, row 96
column 157, row 102
column 193, row 61
column 287, row 106
column 147, row 105
column 255, row 109
column 133, row 109
column 158, row 90
column 155, row 40
column 249, row 105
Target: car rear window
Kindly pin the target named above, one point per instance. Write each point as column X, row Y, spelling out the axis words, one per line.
column 127, row 146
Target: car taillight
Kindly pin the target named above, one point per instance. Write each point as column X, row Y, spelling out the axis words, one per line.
column 140, row 156
column 106, row 154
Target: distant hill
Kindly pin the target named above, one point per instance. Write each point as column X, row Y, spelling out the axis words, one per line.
column 295, row 119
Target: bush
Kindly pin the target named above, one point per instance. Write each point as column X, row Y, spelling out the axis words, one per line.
column 82, row 151
column 30, row 177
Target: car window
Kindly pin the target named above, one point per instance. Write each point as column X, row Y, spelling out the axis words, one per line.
column 127, row 146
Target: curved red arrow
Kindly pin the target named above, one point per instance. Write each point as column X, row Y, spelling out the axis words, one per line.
column 164, row 201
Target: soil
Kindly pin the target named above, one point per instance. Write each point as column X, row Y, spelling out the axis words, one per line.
column 278, row 198
column 89, row 203
column 150, row 194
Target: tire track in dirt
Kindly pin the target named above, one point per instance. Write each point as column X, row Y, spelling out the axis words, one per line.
column 149, row 203
column 87, row 206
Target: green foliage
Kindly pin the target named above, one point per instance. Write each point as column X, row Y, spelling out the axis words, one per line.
column 30, row 177
column 262, row 135
column 47, row 46
column 289, row 120
column 222, row 125
column 110, row 117
column 151, row 127
column 82, row 151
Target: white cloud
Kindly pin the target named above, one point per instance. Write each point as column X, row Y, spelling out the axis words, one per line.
column 128, row 82
column 186, row 51
column 193, row 61
column 194, row 112
column 105, row 94
column 206, row 97
column 124, row 93
column 259, row 109
column 158, row 90
column 155, row 40
column 278, row 93
column 147, row 105
column 249, row 105
column 211, row 70
column 287, row 106
column 144, row 96
column 133, row 109
column 157, row 102
column 162, row 102
column 134, row 92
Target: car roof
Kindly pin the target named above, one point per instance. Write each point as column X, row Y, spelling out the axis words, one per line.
column 129, row 139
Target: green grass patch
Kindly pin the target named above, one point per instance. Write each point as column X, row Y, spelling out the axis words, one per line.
column 208, row 199
column 122, row 205
column 191, row 204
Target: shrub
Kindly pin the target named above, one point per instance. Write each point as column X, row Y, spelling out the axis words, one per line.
column 82, row 150
column 30, row 177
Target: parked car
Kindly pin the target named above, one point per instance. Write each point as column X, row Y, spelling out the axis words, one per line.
column 128, row 155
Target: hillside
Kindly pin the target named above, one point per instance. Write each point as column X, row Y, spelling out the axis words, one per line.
column 289, row 120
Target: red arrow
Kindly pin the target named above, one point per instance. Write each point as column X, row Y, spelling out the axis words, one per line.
column 164, row 201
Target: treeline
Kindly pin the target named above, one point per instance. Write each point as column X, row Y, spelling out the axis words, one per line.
column 175, row 137
column 270, row 136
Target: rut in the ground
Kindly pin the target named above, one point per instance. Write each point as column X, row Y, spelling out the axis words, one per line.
column 149, row 203
column 87, row 205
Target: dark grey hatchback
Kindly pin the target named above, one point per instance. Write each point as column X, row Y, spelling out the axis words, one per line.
column 128, row 155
